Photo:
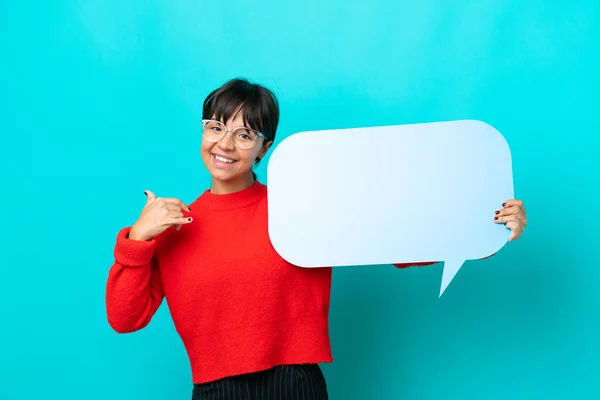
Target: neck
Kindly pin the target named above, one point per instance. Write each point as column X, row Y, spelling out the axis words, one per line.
column 226, row 187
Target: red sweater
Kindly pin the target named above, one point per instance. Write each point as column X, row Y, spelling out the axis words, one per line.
column 236, row 304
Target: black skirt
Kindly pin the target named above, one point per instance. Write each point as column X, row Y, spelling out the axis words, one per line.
column 289, row 382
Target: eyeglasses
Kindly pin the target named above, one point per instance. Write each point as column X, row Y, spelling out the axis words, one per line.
column 243, row 138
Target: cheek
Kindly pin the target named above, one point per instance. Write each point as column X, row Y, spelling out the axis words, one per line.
column 205, row 147
column 205, row 153
column 249, row 156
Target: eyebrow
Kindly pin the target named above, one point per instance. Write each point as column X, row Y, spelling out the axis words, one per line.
column 236, row 127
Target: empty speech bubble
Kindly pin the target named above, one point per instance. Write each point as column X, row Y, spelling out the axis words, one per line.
column 390, row 195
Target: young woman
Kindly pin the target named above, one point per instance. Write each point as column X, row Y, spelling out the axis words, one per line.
column 253, row 325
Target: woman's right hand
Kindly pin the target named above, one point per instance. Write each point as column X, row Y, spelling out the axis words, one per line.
column 157, row 215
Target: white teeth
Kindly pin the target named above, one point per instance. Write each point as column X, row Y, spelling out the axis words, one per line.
column 225, row 160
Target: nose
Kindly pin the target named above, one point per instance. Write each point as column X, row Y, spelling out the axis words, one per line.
column 226, row 142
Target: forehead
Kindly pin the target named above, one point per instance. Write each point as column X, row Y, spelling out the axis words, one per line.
column 235, row 119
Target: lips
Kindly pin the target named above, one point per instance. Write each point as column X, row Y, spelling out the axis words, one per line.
column 222, row 160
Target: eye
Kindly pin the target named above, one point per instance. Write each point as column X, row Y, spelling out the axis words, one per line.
column 246, row 135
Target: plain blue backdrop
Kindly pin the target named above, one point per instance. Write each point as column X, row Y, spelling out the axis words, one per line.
column 100, row 100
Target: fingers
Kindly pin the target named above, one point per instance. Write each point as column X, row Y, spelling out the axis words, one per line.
column 513, row 202
column 174, row 214
column 508, row 210
column 514, row 220
column 176, row 202
column 502, row 219
column 511, row 208
column 169, row 202
column 175, row 218
column 172, row 207
column 179, row 221
column 518, row 204
column 512, row 215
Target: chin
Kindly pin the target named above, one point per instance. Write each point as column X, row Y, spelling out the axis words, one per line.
column 222, row 176
column 232, row 174
column 226, row 176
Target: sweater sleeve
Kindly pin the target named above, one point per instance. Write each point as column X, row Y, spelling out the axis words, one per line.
column 415, row 264
column 133, row 289
column 426, row 263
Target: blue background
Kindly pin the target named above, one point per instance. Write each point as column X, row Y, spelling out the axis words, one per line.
column 100, row 100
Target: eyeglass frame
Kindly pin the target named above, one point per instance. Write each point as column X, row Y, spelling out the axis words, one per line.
column 227, row 130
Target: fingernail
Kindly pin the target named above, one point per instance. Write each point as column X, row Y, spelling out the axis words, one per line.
column 495, row 217
column 146, row 194
column 497, row 212
column 190, row 219
column 503, row 204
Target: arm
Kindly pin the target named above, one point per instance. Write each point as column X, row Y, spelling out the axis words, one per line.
column 424, row 264
column 415, row 264
column 133, row 289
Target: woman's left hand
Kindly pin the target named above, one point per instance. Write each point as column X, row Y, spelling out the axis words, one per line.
column 513, row 216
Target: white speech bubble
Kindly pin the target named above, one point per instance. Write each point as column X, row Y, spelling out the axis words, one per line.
column 390, row 195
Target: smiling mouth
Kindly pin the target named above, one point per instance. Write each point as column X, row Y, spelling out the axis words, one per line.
column 222, row 159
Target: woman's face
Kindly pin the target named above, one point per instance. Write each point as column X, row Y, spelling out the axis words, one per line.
column 225, row 161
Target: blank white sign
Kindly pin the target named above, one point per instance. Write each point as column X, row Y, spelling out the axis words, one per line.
column 391, row 194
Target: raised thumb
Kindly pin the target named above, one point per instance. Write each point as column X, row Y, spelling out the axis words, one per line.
column 151, row 196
